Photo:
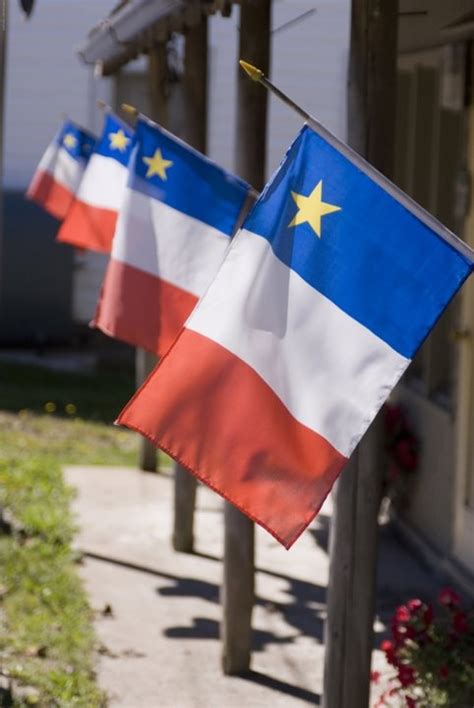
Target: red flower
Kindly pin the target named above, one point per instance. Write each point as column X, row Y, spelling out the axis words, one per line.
column 444, row 671
column 402, row 614
column 449, row 598
column 410, row 702
column 460, row 622
column 375, row 676
column 401, row 632
column 428, row 615
column 415, row 604
column 406, row 675
column 405, row 453
column 388, row 648
column 422, row 616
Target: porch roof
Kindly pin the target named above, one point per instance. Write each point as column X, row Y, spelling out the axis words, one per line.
column 135, row 25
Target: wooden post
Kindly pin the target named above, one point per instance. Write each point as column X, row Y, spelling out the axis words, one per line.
column 195, row 85
column 158, row 77
column 353, row 544
column 145, row 362
column 238, row 580
column 195, row 133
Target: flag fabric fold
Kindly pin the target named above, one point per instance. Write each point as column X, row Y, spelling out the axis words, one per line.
column 60, row 170
column 178, row 215
column 91, row 220
column 325, row 295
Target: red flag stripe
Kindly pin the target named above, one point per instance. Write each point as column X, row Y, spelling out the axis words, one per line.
column 281, row 471
column 88, row 227
column 51, row 195
column 141, row 309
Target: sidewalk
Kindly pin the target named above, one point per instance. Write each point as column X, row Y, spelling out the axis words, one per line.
column 157, row 611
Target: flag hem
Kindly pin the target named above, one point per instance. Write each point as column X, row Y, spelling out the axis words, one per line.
column 202, row 478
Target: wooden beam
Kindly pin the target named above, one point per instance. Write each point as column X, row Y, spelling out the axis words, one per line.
column 195, row 84
column 195, row 133
column 354, row 532
column 147, row 454
column 251, row 127
column 250, row 156
column 145, row 362
column 237, row 591
column 158, row 76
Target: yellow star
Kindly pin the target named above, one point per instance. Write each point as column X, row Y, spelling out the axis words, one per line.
column 311, row 209
column 118, row 140
column 157, row 165
column 70, row 141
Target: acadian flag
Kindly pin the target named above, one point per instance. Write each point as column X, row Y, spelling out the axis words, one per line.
column 324, row 297
column 90, row 222
column 60, row 170
column 179, row 212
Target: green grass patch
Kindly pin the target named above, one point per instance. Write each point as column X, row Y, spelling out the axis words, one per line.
column 97, row 397
column 46, row 638
column 48, row 419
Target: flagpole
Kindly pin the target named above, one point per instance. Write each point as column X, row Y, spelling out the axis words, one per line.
column 424, row 216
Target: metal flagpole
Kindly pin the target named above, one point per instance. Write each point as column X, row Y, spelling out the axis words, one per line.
column 386, row 184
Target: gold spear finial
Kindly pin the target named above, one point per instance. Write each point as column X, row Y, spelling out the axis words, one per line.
column 127, row 108
column 254, row 73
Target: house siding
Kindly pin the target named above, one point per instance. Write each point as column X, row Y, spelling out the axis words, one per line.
column 44, row 81
column 309, row 55
column 430, row 505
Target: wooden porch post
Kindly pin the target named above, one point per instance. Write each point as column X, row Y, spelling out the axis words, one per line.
column 238, row 581
column 145, row 362
column 195, row 94
column 354, row 532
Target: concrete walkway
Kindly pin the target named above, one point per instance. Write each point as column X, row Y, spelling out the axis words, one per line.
column 157, row 612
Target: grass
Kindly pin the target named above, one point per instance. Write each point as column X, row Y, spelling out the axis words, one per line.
column 48, row 419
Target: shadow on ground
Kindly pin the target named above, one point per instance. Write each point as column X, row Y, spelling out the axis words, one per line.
column 400, row 575
column 299, row 613
column 282, row 687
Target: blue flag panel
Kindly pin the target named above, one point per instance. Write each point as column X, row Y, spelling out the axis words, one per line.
column 167, row 169
column 78, row 142
column 356, row 244
column 116, row 141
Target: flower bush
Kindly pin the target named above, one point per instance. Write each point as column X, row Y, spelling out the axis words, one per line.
column 432, row 654
column 401, row 443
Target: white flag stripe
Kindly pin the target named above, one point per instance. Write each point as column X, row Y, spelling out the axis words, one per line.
column 46, row 164
column 167, row 243
column 62, row 167
column 104, row 183
column 337, row 388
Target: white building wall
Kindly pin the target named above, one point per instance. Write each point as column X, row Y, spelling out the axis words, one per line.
column 45, row 79
column 310, row 47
